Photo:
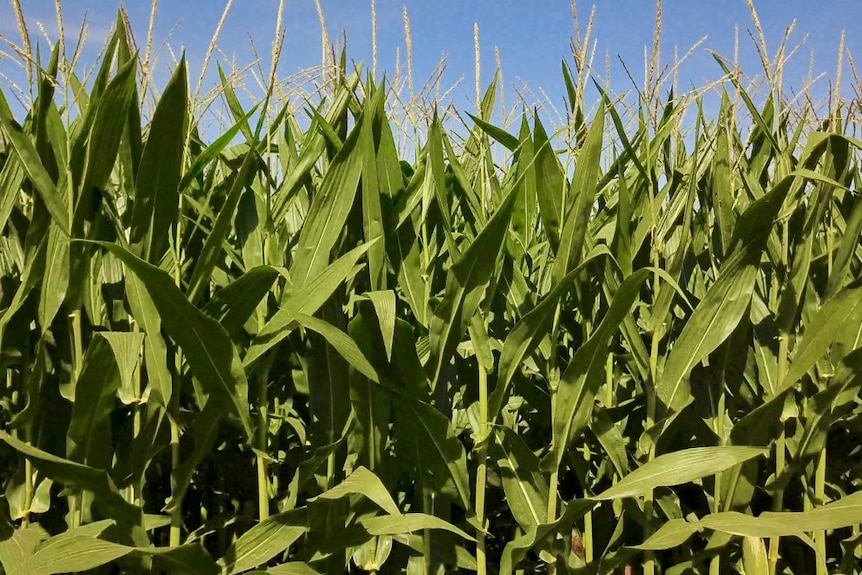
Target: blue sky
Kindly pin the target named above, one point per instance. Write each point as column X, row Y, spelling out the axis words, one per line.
column 532, row 36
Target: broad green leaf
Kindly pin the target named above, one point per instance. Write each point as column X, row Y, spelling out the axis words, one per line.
column 529, row 331
column 19, row 546
column 56, row 279
column 583, row 193
column 235, row 303
column 95, row 398
column 582, row 378
column 754, row 555
column 465, row 289
column 79, row 476
column 32, row 164
column 516, row 550
column 292, row 568
column 372, row 211
column 155, row 348
column 72, row 553
column 437, row 456
column 212, row 248
column 743, row 525
column 499, row 134
column 409, row 522
column 679, row 467
column 264, row 541
column 670, row 535
column 550, row 182
column 384, row 303
column 212, row 357
column 329, row 209
column 836, row 515
column 306, row 299
column 103, row 143
column 157, row 197
column 213, row 150
column 341, row 342
column 821, row 334
column 525, row 487
column 126, row 347
column 726, row 301
column 363, row 482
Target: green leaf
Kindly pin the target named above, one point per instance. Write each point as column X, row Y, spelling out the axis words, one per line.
column 95, row 393
column 523, row 482
column 725, row 302
column 79, row 476
column 363, row 482
column 583, row 191
column 212, row 248
column 264, row 541
column 679, row 467
column 499, row 134
column 407, row 523
column 329, row 210
column 465, row 288
column 516, row 550
column 212, row 357
column 372, row 211
column 550, row 181
column 825, row 328
column 75, row 551
column 71, row 554
column 127, row 348
column 582, row 378
column 754, row 556
column 157, row 198
column 155, row 348
column 16, row 549
column 671, row 534
column 306, row 299
column 292, row 568
column 234, row 304
column 56, row 279
column 734, row 523
column 384, row 306
column 32, row 164
column 534, row 326
column 439, row 458
column 109, row 124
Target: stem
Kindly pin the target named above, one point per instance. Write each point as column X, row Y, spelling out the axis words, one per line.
column 649, row 556
column 481, row 472
column 553, row 384
column 176, row 512
column 136, row 487
column 819, row 499
column 261, row 439
column 715, row 562
column 428, row 508
column 28, row 492
column 780, row 457
column 76, row 499
column 262, row 428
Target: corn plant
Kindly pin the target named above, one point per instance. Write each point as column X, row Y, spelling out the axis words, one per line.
column 630, row 343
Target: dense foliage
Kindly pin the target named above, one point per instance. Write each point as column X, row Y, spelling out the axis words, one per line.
column 296, row 350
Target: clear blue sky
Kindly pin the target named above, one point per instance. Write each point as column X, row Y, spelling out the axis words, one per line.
column 533, row 36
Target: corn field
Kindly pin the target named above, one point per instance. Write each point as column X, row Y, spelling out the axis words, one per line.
column 628, row 344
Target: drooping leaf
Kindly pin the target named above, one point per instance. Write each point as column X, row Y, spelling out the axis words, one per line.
column 212, row 357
